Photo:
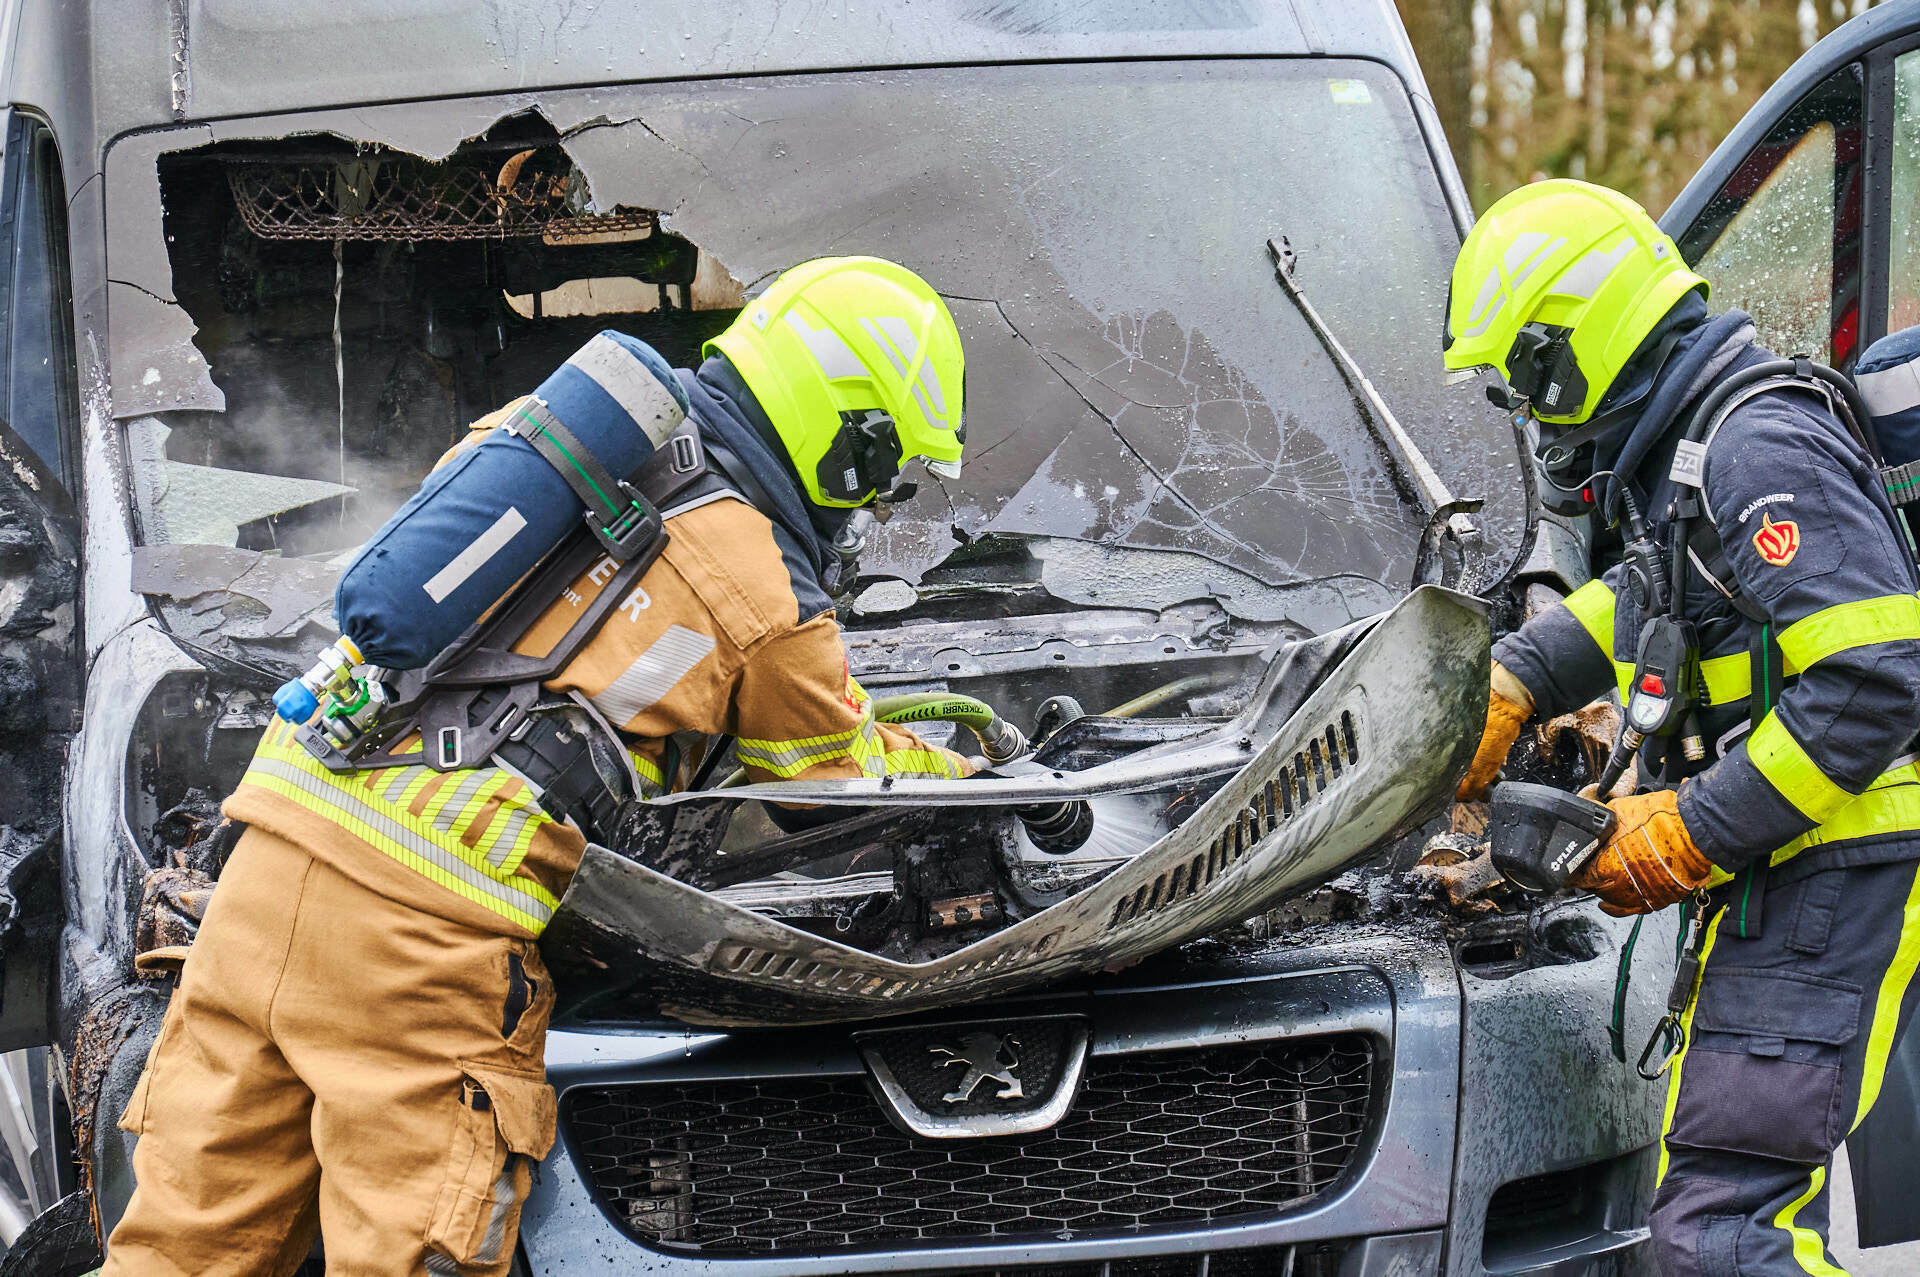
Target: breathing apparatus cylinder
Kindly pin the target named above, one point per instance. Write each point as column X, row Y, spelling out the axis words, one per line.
column 482, row 521
column 485, row 518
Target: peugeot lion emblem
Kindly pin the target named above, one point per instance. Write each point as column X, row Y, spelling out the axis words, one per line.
column 985, row 1056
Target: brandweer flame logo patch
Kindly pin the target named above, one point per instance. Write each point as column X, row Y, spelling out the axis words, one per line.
column 1777, row 543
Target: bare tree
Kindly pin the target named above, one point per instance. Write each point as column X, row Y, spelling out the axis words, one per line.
column 1633, row 95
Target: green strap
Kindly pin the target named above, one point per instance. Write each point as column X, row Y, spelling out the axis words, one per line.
column 1617, row 1026
column 570, row 458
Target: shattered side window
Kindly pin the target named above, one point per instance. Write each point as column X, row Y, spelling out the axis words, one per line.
column 1136, row 377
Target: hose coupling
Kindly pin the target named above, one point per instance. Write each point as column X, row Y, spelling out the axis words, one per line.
column 1001, row 741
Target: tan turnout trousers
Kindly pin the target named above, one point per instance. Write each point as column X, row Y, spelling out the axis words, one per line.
column 336, row 1059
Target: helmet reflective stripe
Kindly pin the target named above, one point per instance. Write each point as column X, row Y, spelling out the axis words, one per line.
column 1525, row 254
column 836, row 360
column 1591, row 271
column 1481, row 316
column 898, row 341
column 1894, row 390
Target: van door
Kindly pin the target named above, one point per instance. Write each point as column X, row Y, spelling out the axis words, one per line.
column 40, row 672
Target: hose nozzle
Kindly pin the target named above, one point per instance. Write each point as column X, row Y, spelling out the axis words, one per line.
column 1057, row 828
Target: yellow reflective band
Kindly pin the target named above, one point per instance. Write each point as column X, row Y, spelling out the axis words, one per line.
column 1623, row 675
column 1886, row 1007
column 788, row 758
column 1788, row 768
column 1729, row 679
column 476, row 807
column 1846, row 626
column 921, row 764
column 868, row 750
column 1592, row 605
column 653, row 781
column 1808, row 1250
column 453, row 799
column 1890, row 805
column 1686, row 1027
column 515, row 835
column 523, row 901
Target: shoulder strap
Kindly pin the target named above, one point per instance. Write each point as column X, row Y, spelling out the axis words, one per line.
column 622, row 520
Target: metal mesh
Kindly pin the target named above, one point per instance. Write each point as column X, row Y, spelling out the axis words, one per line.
column 402, row 198
column 809, row 1164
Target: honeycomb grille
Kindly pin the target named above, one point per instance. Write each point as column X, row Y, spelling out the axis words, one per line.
column 392, row 197
column 747, row 1166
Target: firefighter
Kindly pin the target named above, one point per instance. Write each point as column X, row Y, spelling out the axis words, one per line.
column 357, row 1039
column 1797, row 832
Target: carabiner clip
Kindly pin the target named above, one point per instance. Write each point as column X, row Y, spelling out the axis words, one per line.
column 1669, row 1036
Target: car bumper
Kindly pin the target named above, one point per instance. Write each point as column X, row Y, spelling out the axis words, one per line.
column 1473, row 1087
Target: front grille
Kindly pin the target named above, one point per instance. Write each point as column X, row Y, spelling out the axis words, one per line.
column 809, row 1164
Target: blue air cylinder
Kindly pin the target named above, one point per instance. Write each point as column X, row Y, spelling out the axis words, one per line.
column 484, row 519
column 1888, row 377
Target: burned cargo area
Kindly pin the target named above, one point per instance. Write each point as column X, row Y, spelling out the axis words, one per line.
column 359, row 307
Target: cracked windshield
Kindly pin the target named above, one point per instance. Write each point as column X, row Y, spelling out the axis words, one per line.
column 1138, row 382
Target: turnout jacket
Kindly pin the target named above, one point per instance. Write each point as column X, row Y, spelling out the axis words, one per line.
column 725, row 634
column 1808, row 538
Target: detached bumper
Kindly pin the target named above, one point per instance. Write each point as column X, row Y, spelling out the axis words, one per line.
column 1375, row 746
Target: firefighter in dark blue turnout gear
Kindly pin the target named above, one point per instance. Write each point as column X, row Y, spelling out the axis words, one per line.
column 1786, row 805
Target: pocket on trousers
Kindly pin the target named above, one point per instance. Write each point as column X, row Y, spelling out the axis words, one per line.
column 133, row 1120
column 1764, row 1072
column 505, row 1124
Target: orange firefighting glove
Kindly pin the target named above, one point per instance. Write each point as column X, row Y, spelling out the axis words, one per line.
column 1509, row 706
column 1650, row 862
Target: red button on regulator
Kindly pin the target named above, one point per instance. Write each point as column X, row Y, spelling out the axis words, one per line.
column 1652, row 685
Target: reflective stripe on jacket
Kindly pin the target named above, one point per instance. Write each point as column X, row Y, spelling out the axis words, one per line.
column 707, row 644
column 1808, row 538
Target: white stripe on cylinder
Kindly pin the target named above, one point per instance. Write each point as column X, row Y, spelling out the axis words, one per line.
column 1890, row 390
column 474, row 557
column 639, row 393
column 665, row 662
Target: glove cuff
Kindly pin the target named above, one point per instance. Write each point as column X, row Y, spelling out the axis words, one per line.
column 1507, row 686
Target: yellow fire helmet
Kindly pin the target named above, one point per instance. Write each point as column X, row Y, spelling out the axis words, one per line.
column 1555, row 288
column 858, row 365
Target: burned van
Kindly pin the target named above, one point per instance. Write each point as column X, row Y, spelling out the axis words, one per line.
column 1226, row 545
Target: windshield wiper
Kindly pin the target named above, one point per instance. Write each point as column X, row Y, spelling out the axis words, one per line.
column 1447, row 515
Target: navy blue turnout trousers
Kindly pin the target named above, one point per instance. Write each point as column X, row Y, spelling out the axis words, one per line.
column 1787, row 1045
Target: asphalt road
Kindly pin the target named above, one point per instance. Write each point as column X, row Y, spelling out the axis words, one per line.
column 1883, row 1261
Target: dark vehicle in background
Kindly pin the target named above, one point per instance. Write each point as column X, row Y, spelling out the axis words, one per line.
column 263, row 262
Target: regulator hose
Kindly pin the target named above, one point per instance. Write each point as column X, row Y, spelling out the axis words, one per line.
column 1055, row 828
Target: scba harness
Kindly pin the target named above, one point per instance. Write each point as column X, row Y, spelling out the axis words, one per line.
column 472, row 701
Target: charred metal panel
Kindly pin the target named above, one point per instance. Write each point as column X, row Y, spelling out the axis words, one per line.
column 39, row 714
column 1541, row 1092
column 1376, row 745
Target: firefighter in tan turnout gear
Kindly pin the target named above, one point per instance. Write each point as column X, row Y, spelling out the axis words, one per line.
column 356, row 1042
